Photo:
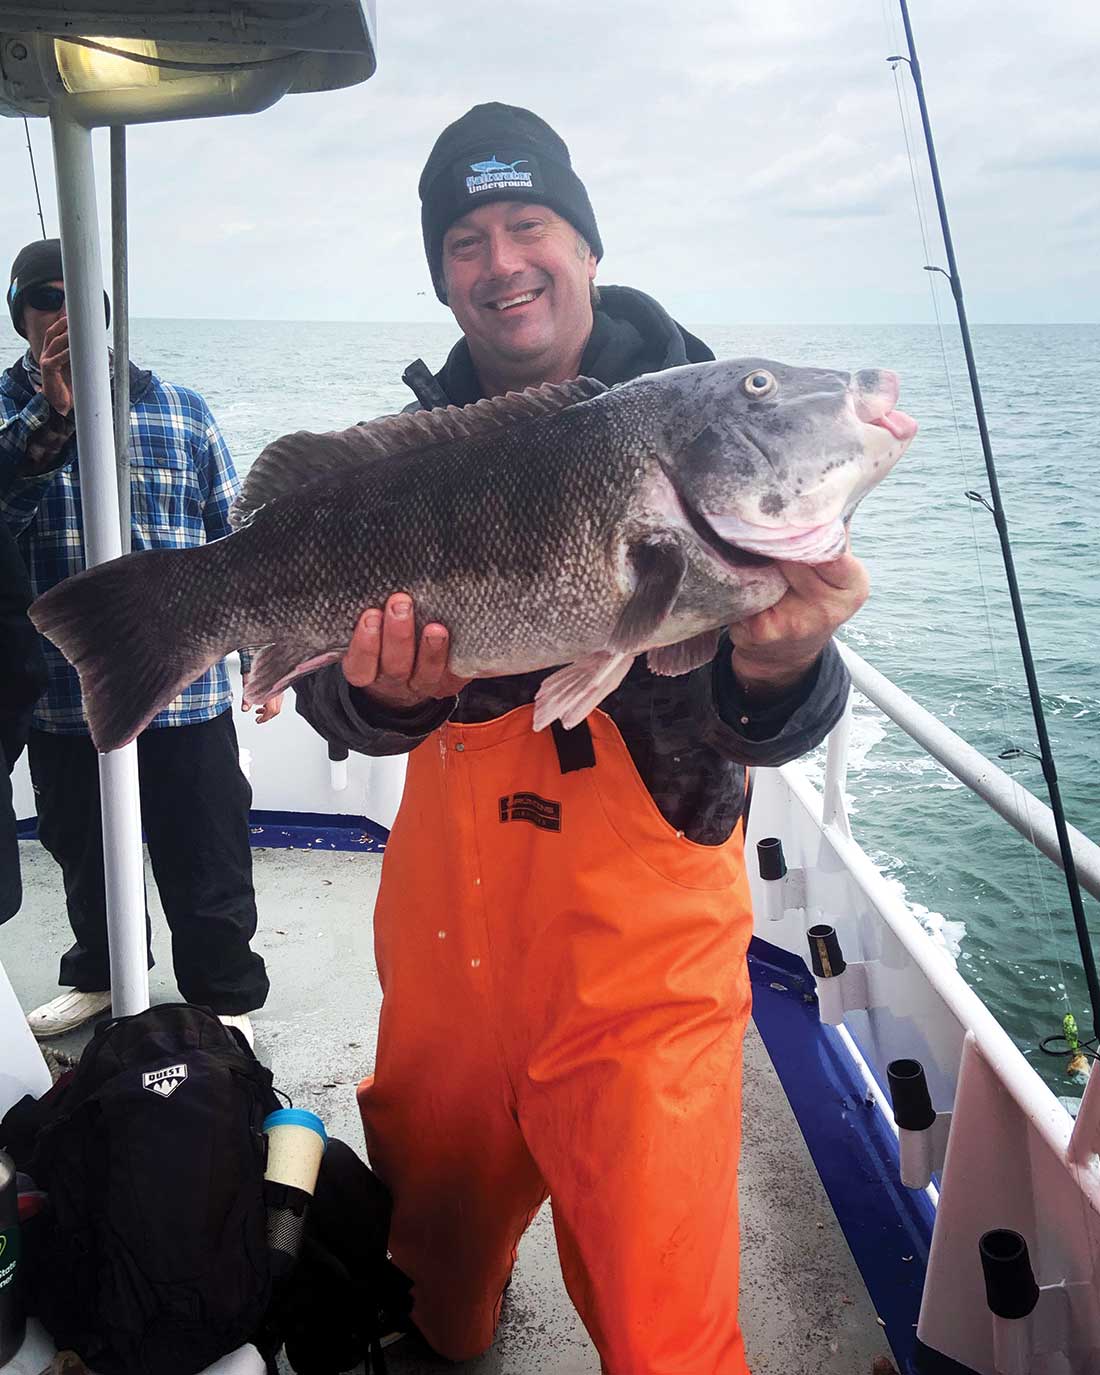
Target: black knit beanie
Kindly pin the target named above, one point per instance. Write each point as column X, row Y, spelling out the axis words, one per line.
column 495, row 153
column 37, row 263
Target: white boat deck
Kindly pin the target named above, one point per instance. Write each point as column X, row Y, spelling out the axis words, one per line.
column 803, row 1305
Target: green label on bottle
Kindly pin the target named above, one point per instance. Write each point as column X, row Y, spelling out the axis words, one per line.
column 10, row 1251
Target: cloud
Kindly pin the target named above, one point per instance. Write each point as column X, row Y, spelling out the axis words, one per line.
column 734, row 151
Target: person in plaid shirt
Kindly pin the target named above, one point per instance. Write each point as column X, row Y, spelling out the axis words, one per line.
column 194, row 798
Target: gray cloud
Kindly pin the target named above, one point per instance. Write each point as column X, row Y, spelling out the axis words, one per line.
column 741, row 158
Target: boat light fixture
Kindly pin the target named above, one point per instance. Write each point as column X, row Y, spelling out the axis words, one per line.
column 136, row 63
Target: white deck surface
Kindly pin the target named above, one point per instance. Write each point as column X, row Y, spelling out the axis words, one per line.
column 803, row 1306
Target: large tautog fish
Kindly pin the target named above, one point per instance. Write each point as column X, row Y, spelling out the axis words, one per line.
column 568, row 525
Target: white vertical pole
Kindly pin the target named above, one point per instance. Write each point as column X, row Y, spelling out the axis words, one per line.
column 120, row 322
column 118, row 771
column 834, row 811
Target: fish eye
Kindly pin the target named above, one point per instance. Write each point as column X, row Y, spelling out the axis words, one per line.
column 760, row 385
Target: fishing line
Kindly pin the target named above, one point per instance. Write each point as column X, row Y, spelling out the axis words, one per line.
column 997, row 506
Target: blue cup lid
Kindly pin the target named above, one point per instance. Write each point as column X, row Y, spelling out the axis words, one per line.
column 296, row 1117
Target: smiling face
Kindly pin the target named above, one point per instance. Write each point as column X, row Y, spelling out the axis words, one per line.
column 518, row 280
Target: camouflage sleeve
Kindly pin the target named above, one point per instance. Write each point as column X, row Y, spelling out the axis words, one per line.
column 32, row 442
column 786, row 727
column 343, row 715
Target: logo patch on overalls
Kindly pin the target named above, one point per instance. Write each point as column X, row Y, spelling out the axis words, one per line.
column 164, row 1082
column 539, row 811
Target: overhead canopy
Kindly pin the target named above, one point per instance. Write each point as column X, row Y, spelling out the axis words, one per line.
column 147, row 60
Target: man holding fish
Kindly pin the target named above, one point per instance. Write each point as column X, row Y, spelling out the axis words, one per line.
column 584, row 511
column 563, row 918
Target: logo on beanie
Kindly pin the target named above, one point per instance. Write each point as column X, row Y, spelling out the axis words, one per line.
column 493, row 175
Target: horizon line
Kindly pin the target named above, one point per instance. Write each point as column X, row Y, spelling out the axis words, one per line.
column 721, row 324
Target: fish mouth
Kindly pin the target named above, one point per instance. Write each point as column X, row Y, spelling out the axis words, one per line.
column 897, row 424
column 786, row 543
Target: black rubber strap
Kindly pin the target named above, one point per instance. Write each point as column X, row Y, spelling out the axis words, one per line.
column 574, row 747
column 419, row 379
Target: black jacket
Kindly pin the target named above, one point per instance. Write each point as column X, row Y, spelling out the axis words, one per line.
column 689, row 737
column 22, row 681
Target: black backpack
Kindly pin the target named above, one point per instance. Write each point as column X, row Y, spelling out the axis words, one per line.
column 151, row 1257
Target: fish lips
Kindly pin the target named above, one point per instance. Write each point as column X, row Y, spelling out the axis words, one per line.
column 785, row 543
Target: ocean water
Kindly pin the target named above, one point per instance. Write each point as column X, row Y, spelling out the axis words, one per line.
column 938, row 622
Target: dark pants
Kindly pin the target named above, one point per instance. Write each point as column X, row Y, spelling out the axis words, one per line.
column 194, row 809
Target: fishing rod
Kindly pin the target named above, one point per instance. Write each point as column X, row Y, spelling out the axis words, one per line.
column 34, row 174
column 996, row 507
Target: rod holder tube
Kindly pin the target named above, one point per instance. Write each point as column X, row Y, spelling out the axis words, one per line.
column 842, row 986
column 337, row 766
column 1012, row 1296
column 770, row 857
column 1010, row 1288
column 118, row 772
column 784, row 889
column 826, row 957
column 922, row 1131
column 913, row 1110
column 1013, row 1351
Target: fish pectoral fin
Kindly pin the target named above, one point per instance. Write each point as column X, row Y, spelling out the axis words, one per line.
column 278, row 664
column 659, row 566
column 669, row 661
column 571, row 693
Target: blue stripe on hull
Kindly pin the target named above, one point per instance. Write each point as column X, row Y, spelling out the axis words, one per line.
column 888, row 1227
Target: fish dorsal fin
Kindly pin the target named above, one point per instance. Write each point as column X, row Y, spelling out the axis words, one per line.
column 295, row 460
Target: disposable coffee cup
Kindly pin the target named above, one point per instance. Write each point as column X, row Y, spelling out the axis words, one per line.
column 296, row 1142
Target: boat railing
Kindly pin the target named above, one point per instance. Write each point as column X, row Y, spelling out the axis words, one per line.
column 1001, row 1148
column 1021, row 809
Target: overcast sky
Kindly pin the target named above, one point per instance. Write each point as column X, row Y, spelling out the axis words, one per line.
column 745, row 159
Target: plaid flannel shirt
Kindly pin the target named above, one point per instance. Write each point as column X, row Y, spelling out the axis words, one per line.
column 182, row 484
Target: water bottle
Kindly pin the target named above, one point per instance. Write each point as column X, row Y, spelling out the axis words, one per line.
column 12, row 1317
column 296, row 1141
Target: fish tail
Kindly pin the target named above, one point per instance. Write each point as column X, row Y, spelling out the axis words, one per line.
column 122, row 625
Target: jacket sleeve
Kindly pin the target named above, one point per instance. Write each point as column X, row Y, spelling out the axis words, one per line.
column 22, row 666
column 785, row 728
column 346, row 716
column 218, row 481
column 32, row 445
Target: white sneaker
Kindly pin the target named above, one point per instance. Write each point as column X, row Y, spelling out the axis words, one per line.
column 242, row 1022
column 66, row 1012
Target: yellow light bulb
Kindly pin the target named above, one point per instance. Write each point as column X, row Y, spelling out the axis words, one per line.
column 84, row 70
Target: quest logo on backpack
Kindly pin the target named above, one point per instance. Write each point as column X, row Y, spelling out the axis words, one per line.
column 164, row 1082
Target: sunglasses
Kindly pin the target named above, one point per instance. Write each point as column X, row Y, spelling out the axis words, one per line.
column 45, row 297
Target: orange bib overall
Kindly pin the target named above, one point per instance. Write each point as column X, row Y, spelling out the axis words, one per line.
column 565, row 997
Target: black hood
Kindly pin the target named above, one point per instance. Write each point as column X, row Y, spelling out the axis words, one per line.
column 631, row 334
